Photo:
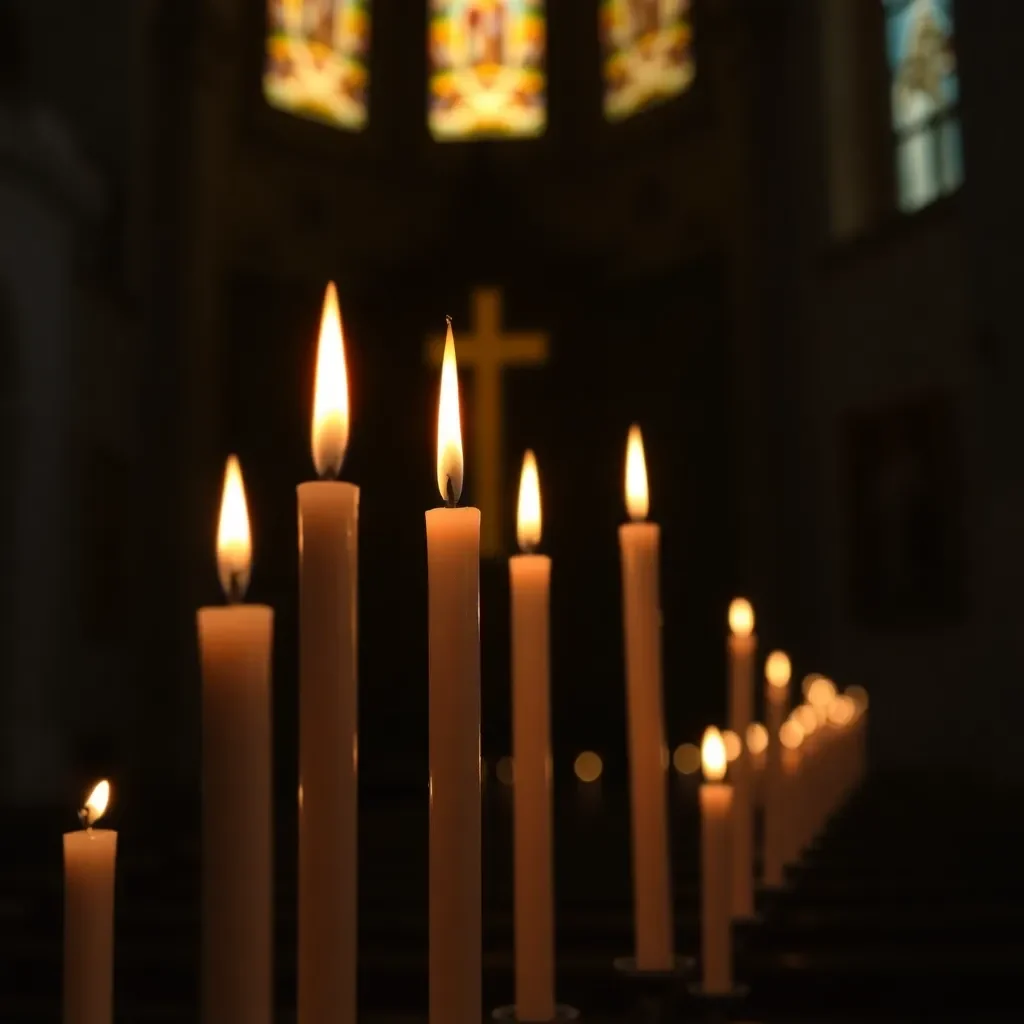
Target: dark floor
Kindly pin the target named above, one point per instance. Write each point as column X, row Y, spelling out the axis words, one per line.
column 909, row 907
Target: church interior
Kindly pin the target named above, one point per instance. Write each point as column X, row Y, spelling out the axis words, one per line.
column 773, row 238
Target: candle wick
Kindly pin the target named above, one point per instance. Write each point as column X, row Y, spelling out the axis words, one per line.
column 450, row 493
column 448, row 320
column 235, row 589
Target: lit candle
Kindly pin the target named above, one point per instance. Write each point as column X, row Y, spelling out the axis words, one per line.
column 791, row 738
column 716, row 900
column 235, row 655
column 778, row 671
column 742, row 651
column 648, row 753
column 529, row 577
column 328, row 742
column 757, row 746
column 860, row 724
column 89, row 856
column 453, row 574
column 820, row 783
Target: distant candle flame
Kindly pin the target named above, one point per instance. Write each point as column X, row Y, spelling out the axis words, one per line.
column 95, row 804
column 449, row 426
column 741, row 617
column 686, row 758
column 791, row 734
column 778, row 670
column 528, row 524
column 637, row 499
column 733, row 745
column 808, row 681
column 588, row 766
column 842, row 710
column 757, row 738
column 820, row 694
column 330, row 397
column 859, row 696
column 234, row 544
column 806, row 717
column 712, row 755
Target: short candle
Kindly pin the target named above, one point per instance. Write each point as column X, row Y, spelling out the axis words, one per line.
column 89, row 859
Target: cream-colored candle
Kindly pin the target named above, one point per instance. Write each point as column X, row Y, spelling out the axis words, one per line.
column 89, row 857
column 820, row 782
column 529, row 578
column 453, row 574
column 778, row 671
column 860, row 725
column 639, row 543
column 328, row 699
column 757, row 748
column 841, row 714
column 742, row 654
column 237, row 863
column 791, row 738
column 715, row 887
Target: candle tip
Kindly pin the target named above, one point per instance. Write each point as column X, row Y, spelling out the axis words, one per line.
column 448, row 320
column 450, row 498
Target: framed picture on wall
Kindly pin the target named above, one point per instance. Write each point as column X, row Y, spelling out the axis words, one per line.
column 906, row 555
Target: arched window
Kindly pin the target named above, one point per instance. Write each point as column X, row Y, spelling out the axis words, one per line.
column 647, row 53
column 925, row 100
column 317, row 63
column 486, row 60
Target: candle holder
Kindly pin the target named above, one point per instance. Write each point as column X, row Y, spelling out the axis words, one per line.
column 718, row 1007
column 657, row 992
column 563, row 1014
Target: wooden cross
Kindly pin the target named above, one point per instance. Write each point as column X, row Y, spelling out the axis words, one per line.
column 486, row 351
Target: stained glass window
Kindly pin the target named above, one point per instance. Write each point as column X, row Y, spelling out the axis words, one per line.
column 647, row 50
column 317, row 59
column 486, row 62
column 925, row 100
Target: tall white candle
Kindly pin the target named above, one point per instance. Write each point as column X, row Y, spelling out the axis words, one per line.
column 237, row 863
column 742, row 653
column 639, row 543
column 328, row 699
column 453, row 574
column 89, row 858
column 530, row 578
column 716, row 900
column 791, row 740
column 778, row 672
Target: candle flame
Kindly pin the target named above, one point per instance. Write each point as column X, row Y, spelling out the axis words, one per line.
column 686, row 758
column 808, row 682
column 820, row 694
column 791, row 734
column 95, row 804
column 842, row 710
column 588, row 766
column 859, row 696
column 733, row 745
column 449, row 426
column 757, row 738
column 637, row 499
column 712, row 755
column 234, row 545
column 741, row 617
column 330, row 396
column 778, row 670
column 528, row 523
column 806, row 717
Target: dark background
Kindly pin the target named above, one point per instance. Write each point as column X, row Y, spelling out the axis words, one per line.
column 730, row 270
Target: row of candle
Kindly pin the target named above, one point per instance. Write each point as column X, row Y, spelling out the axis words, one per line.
column 808, row 765
column 235, row 647
column 802, row 772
